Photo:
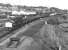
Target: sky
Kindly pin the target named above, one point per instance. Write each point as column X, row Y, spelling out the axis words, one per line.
column 62, row 4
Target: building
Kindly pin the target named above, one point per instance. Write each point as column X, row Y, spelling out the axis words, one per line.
column 5, row 22
column 8, row 24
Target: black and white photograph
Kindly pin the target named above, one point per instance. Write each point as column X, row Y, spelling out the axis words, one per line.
column 33, row 25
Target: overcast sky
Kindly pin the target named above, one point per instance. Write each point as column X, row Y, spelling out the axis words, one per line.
column 62, row 4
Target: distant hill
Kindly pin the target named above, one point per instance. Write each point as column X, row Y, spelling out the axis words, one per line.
column 5, row 5
column 32, row 8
